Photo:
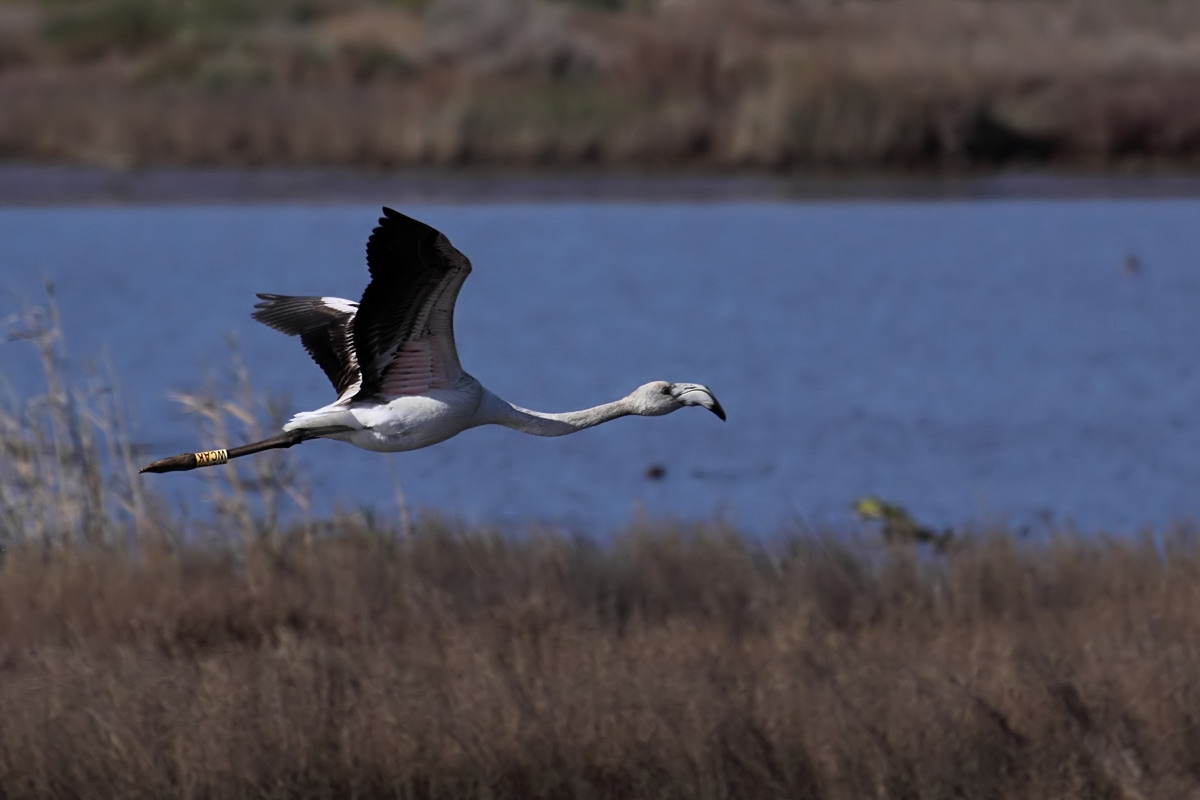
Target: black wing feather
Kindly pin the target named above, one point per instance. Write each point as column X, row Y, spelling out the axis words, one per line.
column 410, row 263
column 326, row 333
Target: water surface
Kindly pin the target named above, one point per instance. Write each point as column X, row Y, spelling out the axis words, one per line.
column 971, row 360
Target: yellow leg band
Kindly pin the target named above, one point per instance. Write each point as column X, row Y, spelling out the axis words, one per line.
column 211, row 458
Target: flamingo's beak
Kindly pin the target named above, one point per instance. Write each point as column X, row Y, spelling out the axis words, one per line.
column 694, row 394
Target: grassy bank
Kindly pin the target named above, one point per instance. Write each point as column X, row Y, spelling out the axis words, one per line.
column 143, row 654
column 718, row 84
column 664, row 664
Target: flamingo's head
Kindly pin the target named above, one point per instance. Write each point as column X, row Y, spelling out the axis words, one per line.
column 660, row 397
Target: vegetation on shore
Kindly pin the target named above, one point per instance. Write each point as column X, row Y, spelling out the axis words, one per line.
column 724, row 84
column 665, row 663
column 146, row 655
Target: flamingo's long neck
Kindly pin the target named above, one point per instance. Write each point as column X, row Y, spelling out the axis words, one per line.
column 544, row 423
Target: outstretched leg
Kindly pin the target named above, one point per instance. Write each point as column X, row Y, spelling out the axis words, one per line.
column 210, row 458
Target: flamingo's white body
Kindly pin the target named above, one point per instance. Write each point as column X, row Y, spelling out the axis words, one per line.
column 392, row 359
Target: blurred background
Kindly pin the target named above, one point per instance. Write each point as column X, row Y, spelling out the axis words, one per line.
column 768, row 84
column 936, row 251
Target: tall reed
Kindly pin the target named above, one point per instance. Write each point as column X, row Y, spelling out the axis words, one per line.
column 68, row 472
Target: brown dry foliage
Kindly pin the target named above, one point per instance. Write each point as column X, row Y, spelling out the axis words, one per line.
column 806, row 84
column 666, row 663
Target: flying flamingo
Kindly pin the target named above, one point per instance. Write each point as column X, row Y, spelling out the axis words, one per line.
column 391, row 358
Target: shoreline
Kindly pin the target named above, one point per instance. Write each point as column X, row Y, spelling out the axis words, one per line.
column 61, row 185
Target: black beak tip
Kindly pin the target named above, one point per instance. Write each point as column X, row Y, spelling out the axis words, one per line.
column 719, row 411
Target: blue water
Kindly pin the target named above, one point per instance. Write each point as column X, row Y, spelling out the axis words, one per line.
column 974, row 361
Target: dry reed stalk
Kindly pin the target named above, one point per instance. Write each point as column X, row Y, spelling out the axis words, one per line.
column 68, row 475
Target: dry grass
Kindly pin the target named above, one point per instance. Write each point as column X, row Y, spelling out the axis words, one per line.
column 663, row 664
column 66, row 458
column 144, row 656
column 808, row 84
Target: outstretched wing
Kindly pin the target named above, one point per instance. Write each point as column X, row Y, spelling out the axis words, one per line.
column 403, row 332
column 325, row 327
